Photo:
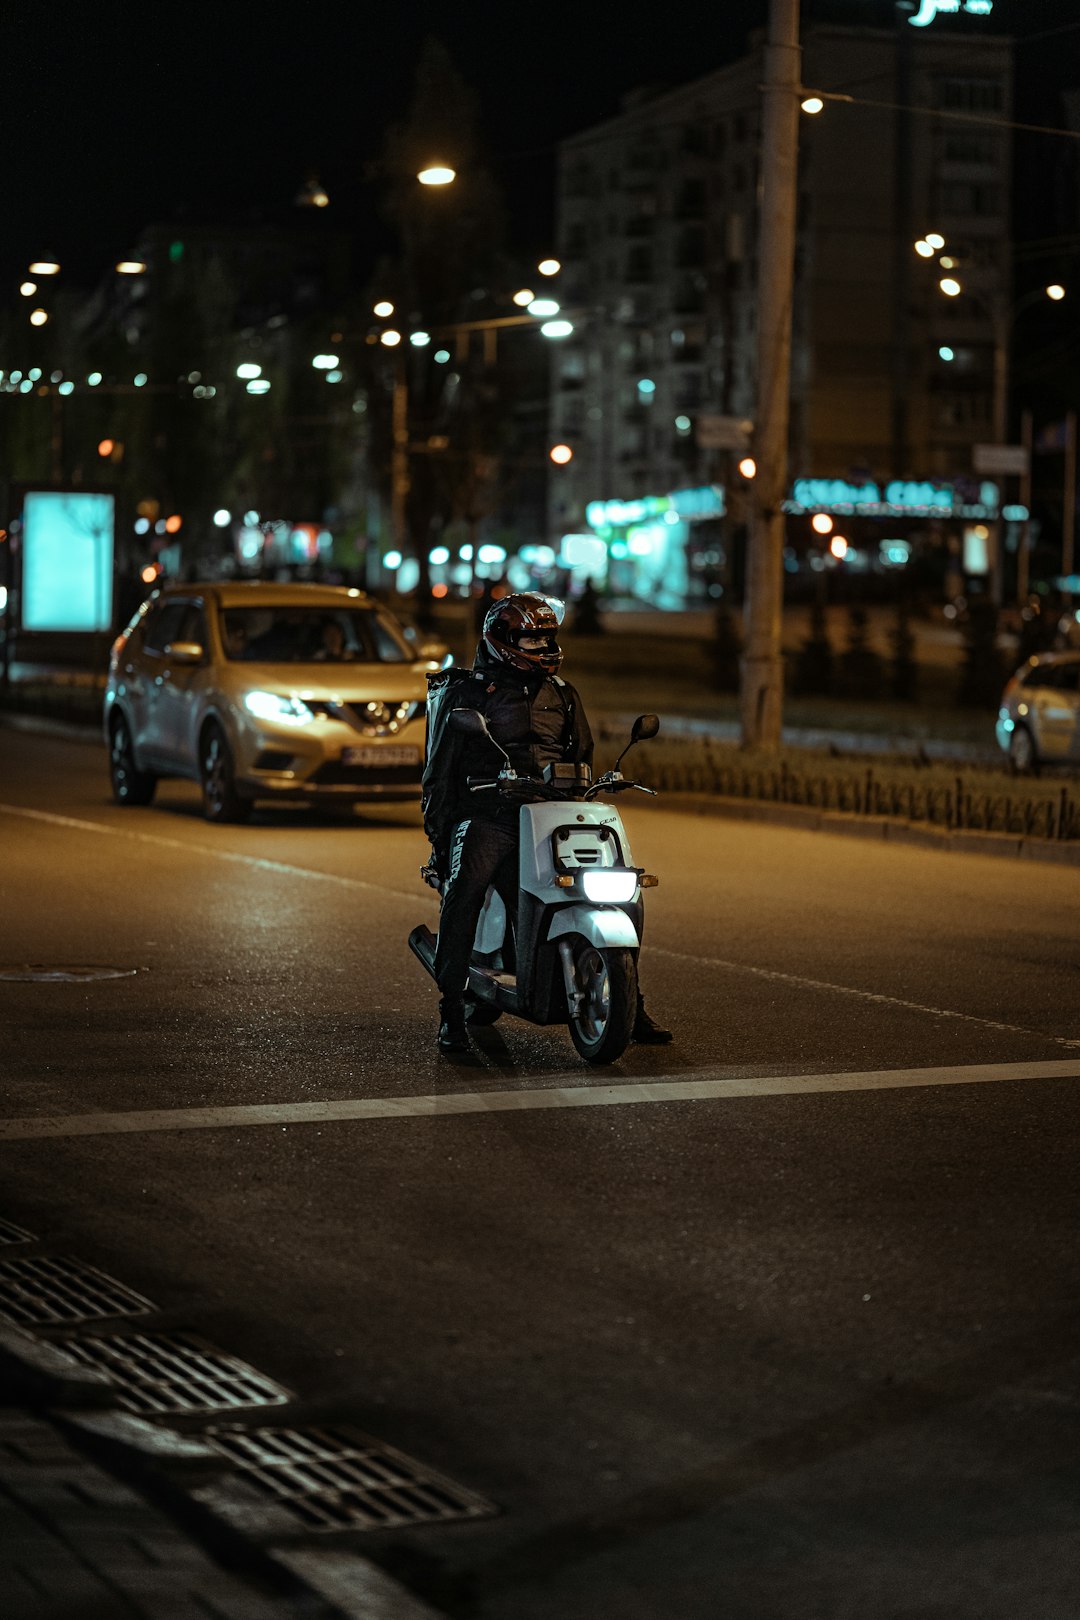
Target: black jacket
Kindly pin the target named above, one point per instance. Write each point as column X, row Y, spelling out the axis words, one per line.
column 536, row 718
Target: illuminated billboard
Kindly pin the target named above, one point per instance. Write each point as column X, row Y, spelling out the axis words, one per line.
column 67, row 574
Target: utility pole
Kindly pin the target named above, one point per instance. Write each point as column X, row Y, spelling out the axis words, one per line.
column 399, row 457
column 761, row 691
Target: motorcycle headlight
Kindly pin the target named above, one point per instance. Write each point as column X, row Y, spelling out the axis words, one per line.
column 289, row 711
column 616, row 887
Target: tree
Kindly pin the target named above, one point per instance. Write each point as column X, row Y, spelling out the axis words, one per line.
column 814, row 661
column 726, row 649
column 983, row 675
column 861, row 670
column 903, row 671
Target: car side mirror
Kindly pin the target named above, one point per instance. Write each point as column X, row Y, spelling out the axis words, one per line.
column 185, row 652
column 470, row 721
column 645, row 726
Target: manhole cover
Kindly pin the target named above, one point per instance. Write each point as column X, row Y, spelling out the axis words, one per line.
column 340, row 1479
column 10, row 1233
column 41, row 973
column 175, row 1372
column 35, row 1291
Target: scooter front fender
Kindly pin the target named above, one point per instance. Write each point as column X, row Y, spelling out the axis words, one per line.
column 603, row 926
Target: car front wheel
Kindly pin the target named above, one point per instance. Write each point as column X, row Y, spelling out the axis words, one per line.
column 1022, row 752
column 217, row 774
column 130, row 785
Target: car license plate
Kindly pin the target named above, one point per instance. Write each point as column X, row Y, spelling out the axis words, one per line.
column 380, row 756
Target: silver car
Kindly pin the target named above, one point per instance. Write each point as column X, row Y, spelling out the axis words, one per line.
column 1039, row 718
column 260, row 691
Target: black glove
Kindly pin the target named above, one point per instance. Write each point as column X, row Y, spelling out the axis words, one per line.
column 438, row 865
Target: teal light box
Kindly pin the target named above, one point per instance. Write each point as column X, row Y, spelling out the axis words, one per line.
column 68, row 541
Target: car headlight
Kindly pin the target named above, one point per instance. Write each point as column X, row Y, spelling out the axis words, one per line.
column 289, row 711
column 609, row 885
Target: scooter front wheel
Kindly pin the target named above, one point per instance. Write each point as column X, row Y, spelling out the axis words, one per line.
column 606, row 978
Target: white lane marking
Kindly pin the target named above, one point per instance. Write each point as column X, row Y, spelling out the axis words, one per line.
column 803, row 983
column 702, row 1085
column 256, row 861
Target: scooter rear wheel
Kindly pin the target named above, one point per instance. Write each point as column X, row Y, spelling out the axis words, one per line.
column 607, row 979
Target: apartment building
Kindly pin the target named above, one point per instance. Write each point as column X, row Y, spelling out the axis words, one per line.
column 658, row 214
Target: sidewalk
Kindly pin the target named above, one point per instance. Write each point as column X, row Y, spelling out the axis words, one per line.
column 76, row 1544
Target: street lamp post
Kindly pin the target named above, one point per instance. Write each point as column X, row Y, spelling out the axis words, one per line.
column 1002, row 316
column 762, row 671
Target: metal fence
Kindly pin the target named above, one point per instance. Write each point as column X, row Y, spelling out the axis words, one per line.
column 866, row 792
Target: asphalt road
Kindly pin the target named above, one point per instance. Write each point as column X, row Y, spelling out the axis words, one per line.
column 779, row 1321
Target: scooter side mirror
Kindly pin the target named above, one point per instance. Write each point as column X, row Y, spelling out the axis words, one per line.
column 471, row 721
column 645, row 726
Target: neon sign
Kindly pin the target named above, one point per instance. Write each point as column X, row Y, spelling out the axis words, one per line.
column 900, row 498
column 929, row 9
column 686, row 504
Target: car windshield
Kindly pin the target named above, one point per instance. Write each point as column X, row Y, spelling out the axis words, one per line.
column 310, row 635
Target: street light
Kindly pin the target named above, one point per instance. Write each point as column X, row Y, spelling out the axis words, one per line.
column 812, row 105
column 523, row 296
column 130, row 267
column 383, row 308
column 1002, row 317
column 549, row 267
column 48, row 266
column 38, row 317
column 28, row 288
column 437, row 174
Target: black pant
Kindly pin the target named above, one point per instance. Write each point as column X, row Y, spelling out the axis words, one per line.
column 481, row 853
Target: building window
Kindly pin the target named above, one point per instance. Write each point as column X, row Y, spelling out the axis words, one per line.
column 968, row 197
column 691, row 203
column 971, row 95
column 955, row 410
column 962, row 147
column 639, row 265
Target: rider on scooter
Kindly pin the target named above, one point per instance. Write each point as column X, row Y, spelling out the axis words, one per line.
column 538, row 718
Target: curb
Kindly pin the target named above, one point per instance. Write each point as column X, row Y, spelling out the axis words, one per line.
column 918, row 834
column 68, row 730
column 190, row 1482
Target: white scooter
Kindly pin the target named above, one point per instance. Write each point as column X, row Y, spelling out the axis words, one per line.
column 569, row 955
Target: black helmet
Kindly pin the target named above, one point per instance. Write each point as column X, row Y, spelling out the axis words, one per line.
column 524, row 618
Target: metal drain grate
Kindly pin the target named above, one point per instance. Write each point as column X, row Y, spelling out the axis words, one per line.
column 10, row 1233
column 37, row 1291
column 340, row 1479
column 175, row 1372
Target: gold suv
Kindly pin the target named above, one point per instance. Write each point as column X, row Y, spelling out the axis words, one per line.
column 262, row 691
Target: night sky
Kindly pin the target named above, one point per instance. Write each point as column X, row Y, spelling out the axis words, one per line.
column 118, row 114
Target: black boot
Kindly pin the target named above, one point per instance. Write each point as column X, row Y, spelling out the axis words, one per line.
column 453, row 1035
column 645, row 1031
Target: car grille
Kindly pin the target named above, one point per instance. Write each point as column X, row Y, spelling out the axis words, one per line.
column 373, row 718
